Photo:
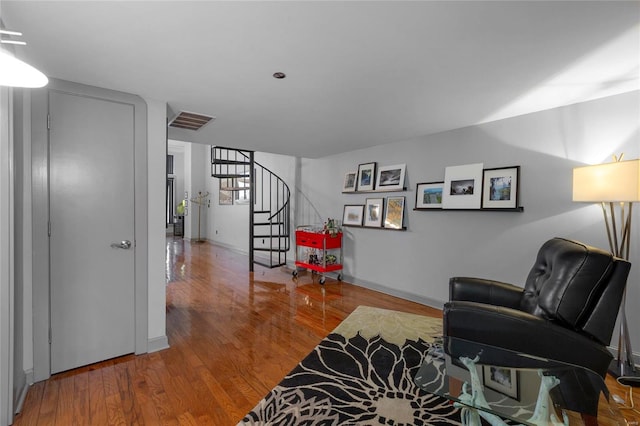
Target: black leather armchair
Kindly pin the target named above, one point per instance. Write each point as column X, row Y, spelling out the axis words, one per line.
column 566, row 310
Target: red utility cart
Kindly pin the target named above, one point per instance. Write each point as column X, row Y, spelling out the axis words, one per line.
column 318, row 252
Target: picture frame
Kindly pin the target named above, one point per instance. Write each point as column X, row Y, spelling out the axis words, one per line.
column 462, row 187
column 502, row 380
column 429, row 195
column 390, row 178
column 366, row 177
column 225, row 194
column 394, row 213
column 500, row 188
column 353, row 215
column 349, row 184
column 373, row 210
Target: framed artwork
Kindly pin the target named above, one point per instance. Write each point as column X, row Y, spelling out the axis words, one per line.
column 373, row 212
column 500, row 188
column 502, row 380
column 391, row 177
column 225, row 195
column 352, row 215
column 394, row 213
column 366, row 177
column 462, row 187
column 349, row 184
column 429, row 195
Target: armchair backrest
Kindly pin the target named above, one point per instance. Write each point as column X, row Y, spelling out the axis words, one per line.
column 576, row 286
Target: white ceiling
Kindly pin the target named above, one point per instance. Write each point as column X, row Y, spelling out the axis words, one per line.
column 358, row 73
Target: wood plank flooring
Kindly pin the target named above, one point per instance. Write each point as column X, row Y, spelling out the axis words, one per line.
column 233, row 336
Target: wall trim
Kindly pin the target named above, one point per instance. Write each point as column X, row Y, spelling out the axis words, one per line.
column 23, row 393
column 157, row 344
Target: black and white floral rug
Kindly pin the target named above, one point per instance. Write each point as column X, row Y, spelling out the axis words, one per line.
column 361, row 374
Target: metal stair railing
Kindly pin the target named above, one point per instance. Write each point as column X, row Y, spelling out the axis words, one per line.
column 269, row 204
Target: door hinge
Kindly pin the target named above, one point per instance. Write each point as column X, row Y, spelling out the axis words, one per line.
column 49, row 228
column 49, row 336
column 48, row 122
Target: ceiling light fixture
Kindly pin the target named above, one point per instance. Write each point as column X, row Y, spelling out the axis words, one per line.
column 16, row 73
column 279, row 75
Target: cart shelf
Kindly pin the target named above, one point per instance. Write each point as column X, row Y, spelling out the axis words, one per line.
column 313, row 249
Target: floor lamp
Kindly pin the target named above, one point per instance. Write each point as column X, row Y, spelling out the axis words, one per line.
column 616, row 186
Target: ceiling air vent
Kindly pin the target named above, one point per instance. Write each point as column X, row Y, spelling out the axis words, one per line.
column 190, row 120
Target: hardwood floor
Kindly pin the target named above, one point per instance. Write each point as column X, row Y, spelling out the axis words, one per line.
column 233, row 336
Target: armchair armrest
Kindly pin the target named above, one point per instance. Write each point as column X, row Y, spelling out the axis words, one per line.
column 522, row 332
column 485, row 291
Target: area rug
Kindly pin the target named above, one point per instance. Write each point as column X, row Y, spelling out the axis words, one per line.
column 361, row 374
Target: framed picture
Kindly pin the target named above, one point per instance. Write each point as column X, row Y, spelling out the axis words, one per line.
column 502, row 380
column 349, row 184
column 429, row 195
column 394, row 213
column 366, row 177
column 225, row 195
column 391, row 177
column 373, row 212
column 500, row 188
column 462, row 187
column 352, row 215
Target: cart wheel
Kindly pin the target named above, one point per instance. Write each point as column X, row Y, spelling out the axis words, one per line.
column 339, row 277
column 321, row 280
column 295, row 273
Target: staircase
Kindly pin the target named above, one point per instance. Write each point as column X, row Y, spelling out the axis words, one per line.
column 269, row 200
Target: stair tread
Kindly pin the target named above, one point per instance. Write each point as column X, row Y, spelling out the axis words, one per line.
column 231, row 162
column 229, row 175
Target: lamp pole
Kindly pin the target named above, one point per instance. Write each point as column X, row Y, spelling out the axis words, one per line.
column 616, row 187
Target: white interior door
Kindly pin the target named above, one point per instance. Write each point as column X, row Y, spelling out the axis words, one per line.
column 91, row 213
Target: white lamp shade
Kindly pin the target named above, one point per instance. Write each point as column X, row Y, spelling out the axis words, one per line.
column 15, row 73
column 611, row 182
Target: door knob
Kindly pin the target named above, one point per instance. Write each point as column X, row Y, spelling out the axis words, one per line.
column 125, row 244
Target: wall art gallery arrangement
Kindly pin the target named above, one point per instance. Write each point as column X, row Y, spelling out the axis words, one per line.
column 465, row 187
column 384, row 213
column 471, row 187
column 369, row 178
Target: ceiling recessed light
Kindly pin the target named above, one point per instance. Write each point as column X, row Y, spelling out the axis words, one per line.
column 279, row 75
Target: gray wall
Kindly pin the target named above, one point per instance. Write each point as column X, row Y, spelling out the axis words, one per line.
column 417, row 264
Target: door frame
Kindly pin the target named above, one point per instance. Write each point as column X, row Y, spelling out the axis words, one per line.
column 40, row 194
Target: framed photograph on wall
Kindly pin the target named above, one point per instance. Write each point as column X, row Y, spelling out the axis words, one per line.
column 500, row 188
column 462, row 187
column 366, row 177
column 225, row 195
column 373, row 212
column 429, row 195
column 394, row 213
column 390, row 177
column 502, row 380
column 353, row 214
column 349, row 184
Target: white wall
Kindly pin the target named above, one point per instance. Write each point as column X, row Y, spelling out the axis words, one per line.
column 195, row 182
column 156, row 157
column 418, row 263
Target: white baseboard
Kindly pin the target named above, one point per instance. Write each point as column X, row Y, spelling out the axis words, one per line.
column 157, row 344
column 28, row 374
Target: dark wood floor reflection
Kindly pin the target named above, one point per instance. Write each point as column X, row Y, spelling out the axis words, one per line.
column 233, row 336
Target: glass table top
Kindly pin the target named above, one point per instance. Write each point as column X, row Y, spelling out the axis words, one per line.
column 501, row 384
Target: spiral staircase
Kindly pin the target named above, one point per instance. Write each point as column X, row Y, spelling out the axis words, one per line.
column 269, row 204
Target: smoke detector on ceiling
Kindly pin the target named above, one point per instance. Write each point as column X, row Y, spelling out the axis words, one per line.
column 190, row 120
